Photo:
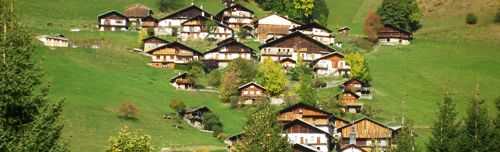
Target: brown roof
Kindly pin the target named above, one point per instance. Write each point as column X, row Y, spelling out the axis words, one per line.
column 137, row 10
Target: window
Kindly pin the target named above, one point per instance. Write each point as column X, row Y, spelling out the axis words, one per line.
column 245, row 92
column 318, row 141
column 157, row 57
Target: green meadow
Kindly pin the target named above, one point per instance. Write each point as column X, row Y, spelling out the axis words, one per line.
column 446, row 56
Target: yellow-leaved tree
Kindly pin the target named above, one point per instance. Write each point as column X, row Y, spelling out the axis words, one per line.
column 359, row 66
column 272, row 76
column 130, row 140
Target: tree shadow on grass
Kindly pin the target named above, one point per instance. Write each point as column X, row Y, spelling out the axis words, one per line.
column 125, row 118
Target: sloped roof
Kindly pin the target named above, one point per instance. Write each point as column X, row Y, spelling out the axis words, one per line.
column 300, row 104
column 239, row 6
column 154, row 37
column 304, row 148
column 186, row 9
column 352, row 146
column 178, row 76
column 229, row 41
column 299, row 122
column 311, row 25
column 327, row 56
column 201, row 108
column 349, row 92
column 251, row 83
column 206, row 19
column 297, row 34
column 137, row 10
column 111, row 12
column 369, row 119
column 175, row 44
column 288, row 59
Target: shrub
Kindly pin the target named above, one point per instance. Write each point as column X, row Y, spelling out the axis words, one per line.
column 319, row 83
column 178, row 106
column 130, row 141
column 497, row 17
column 128, row 110
column 471, row 19
column 234, row 101
column 214, row 78
column 213, row 123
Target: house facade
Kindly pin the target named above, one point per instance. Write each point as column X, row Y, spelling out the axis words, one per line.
column 361, row 88
column 201, row 27
column 296, row 46
column 236, row 16
column 195, row 116
column 136, row 13
column 149, row 22
column 331, row 64
column 288, row 63
column 317, row 32
column 171, row 54
column 274, row 26
column 301, row 132
column 349, row 102
column 303, row 148
column 367, row 133
column 112, row 21
column 54, row 41
column 152, row 42
column 307, row 113
column 171, row 24
column 227, row 51
column 251, row 93
column 391, row 35
column 182, row 81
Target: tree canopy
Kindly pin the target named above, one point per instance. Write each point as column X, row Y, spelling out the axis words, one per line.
column 272, row 76
column 403, row 14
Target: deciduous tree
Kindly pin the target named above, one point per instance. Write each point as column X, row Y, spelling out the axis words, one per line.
column 372, row 25
column 130, row 141
column 359, row 66
column 307, row 93
column 229, row 85
column 262, row 133
column 272, row 76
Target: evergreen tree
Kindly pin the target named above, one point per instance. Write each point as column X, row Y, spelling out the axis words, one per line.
column 262, row 133
column 306, row 92
column 496, row 130
column 405, row 140
column 403, row 14
column 444, row 130
column 476, row 134
column 28, row 121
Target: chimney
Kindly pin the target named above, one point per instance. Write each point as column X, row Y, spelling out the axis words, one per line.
column 352, row 137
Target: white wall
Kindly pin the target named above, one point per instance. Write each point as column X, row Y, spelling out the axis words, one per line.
column 114, row 22
column 310, row 139
column 393, row 41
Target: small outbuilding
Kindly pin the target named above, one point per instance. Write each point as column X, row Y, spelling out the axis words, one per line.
column 251, row 93
column 195, row 116
column 182, row 81
column 112, row 21
column 349, row 102
column 54, row 41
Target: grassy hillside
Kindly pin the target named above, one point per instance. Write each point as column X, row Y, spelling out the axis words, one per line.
column 446, row 55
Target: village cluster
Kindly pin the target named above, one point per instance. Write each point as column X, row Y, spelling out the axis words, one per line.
column 282, row 40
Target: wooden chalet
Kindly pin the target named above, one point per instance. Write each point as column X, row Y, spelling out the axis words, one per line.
column 274, row 26
column 349, row 102
column 171, row 54
column 236, row 16
column 317, row 32
column 54, row 41
column 152, row 42
column 307, row 113
column 171, row 24
column 149, row 22
column 361, row 88
column 303, row 148
column 295, row 46
column 112, row 21
column 344, row 30
column 183, row 81
column 227, row 51
column 251, row 93
column 391, row 35
column 200, row 28
column 195, row 116
column 135, row 13
column 339, row 123
column 351, row 148
column 288, row 63
column 331, row 64
column 365, row 133
column 302, row 132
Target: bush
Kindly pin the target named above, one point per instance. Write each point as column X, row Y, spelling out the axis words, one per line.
column 235, row 100
column 130, row 141
column 128, row 110
column 319, row 83
column 178, row 106
column 214, row 78
column 497, row 17
column 471, row 19
column 213, row 123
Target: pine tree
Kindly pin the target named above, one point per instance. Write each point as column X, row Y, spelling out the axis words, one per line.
column 404, row 14
column 496, row 130
column 405, row 140
column 444, row 130
column 28, row 121
column 262, row 133
column 306, row 92
column 476, row 134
